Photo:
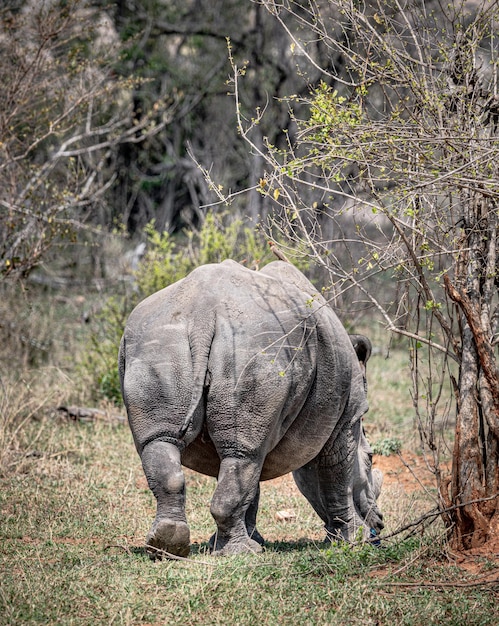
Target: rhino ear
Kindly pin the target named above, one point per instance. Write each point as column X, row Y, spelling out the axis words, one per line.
column 362, row 347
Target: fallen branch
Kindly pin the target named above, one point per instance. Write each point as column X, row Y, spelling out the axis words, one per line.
column 86, row 414
column 434, row 514
column 495, row 581
column 158, row 553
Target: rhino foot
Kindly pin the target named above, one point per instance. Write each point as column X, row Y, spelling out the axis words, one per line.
column 170, row 537
column 248, row 546
column 254, row 536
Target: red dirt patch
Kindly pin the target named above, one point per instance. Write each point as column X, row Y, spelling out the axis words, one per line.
column 408, row 470
column 412, row 474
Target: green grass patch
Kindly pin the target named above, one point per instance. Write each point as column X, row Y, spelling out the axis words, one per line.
column 74, row 511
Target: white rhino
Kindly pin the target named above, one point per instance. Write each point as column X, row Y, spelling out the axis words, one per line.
column 246, row 376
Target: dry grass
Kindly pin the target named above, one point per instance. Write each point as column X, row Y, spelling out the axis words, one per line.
column 25, row 400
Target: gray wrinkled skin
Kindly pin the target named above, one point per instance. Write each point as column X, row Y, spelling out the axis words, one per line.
column 247, row 376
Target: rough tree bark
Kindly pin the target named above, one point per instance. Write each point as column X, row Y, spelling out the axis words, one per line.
column 475, row 475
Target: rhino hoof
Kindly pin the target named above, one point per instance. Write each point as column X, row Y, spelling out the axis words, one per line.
column 247, row 547
column 374, row 538
column 255, row 536
column 168, row 537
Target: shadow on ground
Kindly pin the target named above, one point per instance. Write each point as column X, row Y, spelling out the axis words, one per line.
column 203, row 549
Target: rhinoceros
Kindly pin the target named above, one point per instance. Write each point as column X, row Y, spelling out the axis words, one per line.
column 245, row 376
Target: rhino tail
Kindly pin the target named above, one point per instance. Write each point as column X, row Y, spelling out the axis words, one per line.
column 121, row 358
column 200, row 339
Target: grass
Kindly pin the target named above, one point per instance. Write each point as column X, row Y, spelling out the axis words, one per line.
column 74, row 510
column 391, row 414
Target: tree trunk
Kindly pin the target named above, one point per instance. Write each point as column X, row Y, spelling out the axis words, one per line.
column 471, row 527
column 475, row 468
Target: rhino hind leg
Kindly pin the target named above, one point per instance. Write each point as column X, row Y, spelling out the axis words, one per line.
column 169, row 532
column 250, row 520
column 251, row 515
column 234, row 506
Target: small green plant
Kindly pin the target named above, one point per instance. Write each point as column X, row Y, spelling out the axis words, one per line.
column 163, row 264
column 99, row 363
column 387, row 447
column 171, row 257
column 330, row 112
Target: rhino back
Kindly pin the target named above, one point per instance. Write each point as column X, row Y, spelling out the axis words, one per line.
column 278, row 367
